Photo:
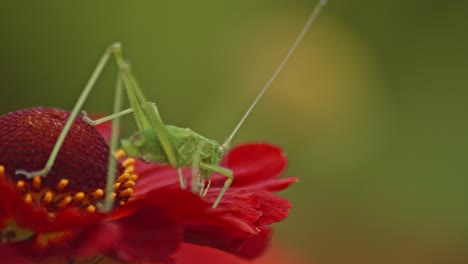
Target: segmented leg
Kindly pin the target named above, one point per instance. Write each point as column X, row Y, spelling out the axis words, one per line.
column 146, row 114
column 183, row 186
column 113, row 145
column 223, row 171
column 95, row 122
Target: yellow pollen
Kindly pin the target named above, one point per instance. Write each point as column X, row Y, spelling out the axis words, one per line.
column 60, row 195
column 120, row 154
column 28, row 198
column 91, row 209
column 134, row 177
column 20, row 185
column 2, row 172
column 48, row 197
column 128, row 162
column 79, row 197
column 98, row 193
column 126, row 193
column 123, row 178
column 62, row 184
column 66, row 201
column 129, row 184
column 37, row 182
column 130, row 169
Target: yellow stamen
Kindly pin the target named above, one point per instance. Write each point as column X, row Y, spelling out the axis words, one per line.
column 129, row 184
column 134, row 177
column 91, row 209
column 20, row 185
column 66, row 201
column 37, row 182
column 48, row 197
column 28, row 198
column 123, row 178
column 63, row 183
column 126, row 193
column 130, row 169
column 128, row 162
column 98, row 193
column 120, row 154
column 2, row 172
column 79, row 197
column 52, row 198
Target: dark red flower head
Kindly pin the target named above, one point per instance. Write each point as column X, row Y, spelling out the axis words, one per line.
column 57, row 216
column 79, row 175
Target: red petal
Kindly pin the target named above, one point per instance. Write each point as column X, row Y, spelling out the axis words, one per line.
column 274, row 255
column 10, row 254
column 220, row 228
column 8, row 198
column 155, row 230
column 273, row 185
column 40, row 222
column 95, row 240
column 150, row 235
column 87, row 242
column 260, row 208
column 154, row 177
column 254, row 163
column 188, row 252
column 247, row 247
column 248, row 233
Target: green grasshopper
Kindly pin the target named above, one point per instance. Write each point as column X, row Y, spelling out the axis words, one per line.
column 155, row 141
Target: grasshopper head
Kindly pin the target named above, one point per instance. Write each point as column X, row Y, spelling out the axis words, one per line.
column 132, row 145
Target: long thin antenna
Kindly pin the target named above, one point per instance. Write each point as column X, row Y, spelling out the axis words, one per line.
column 309, row 22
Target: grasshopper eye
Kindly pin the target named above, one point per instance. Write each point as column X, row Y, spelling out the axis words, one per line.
column 133, row 144
column 221, row 151
column 138, row 139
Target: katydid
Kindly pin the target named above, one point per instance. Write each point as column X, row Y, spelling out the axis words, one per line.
column 155, row 141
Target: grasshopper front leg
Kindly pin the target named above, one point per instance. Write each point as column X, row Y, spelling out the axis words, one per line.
column 223, row 171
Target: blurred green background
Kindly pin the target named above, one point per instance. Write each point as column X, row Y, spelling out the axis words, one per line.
column 371, row 109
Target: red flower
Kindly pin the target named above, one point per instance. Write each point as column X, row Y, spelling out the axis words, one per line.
column 57, row 216
column 276, row 254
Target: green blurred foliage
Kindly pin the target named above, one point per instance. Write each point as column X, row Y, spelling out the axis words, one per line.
column 371, row 110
